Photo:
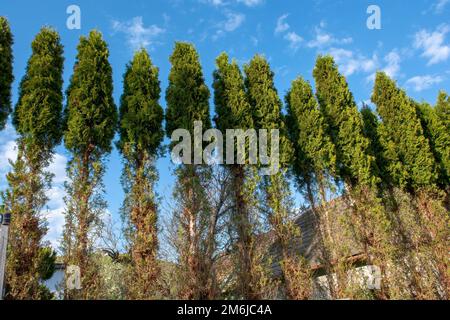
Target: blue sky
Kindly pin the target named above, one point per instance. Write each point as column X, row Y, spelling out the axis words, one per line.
column 413, row 46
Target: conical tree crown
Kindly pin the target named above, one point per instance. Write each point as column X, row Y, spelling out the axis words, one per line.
column 265, row 102
column 333, row 93
column 187, row 95
column 141, row 115
column 443, row 109
column 6, row 70
column 344, row 123
column 91, row 113
column 232, row 109
column 410, row 161
column 38, row 112
column 439, row 138
column 314, row 151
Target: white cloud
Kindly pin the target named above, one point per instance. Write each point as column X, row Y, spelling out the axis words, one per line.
column 323, row 39
column 58, row 168
column 220, row 3
column 294, row 40
column 432, row 44
column 251, row 3
column 56, row 220
column 351, row 62
column 392, row 67
column 282, row 25
column 216, row 2
column 138, row 36
column 232, row 22
column 420, row 83
column 440, row 5
column 8, row 151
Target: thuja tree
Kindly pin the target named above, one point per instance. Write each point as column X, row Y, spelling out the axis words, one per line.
column 443, row 112
column 344, row 124
column 234, row 112
column 314, row 158
column 276, row 197
column 37, row 119
column 141, row 133
column 443, row 109
column 91, row 120
column 413, row 168
column 364, row 217
column 187, row 101
column 6, row 70
column 439, row 138
column 411, row 162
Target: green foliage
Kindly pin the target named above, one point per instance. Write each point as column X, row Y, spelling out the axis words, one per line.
column 234, row 112
column 410, row 161
column 6, row 70
column 187, row 100
column 47, row 260
column 24, row 199
column 187, row 95
column 344, row 124
column 443, row 109
column 439, row 138
column 91, row 121
column 140, row 138
column 265, row 103
column 91, row 114
column 37, row 115
column 371, row 124
column 232, row 109
column 140, row 113
column 37, row 118
column 314, row 152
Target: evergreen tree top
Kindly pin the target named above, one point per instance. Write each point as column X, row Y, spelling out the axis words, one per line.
column 38, row 111
column 232, row 109
column 91, row 114
column 344, row 124
column 314, row 152
column 6, row 70
column 187, row 95
column 439, row 138
column 411, row 163
column 333, row 92
column 262, row 94
column 141, row 116
column 265, row 103
column 443, row 108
